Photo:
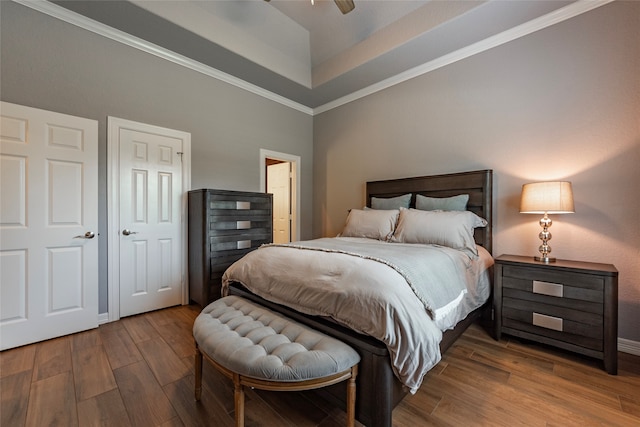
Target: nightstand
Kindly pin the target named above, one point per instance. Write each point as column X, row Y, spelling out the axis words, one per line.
column 567, row 304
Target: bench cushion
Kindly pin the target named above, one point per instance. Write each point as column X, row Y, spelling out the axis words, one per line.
column 253, row 341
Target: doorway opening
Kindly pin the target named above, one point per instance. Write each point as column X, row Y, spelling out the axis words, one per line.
column 279, row 174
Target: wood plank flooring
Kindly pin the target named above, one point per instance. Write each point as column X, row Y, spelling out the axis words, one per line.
column 139, row 372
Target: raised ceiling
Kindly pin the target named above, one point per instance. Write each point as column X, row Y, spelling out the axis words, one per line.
column 313, row 55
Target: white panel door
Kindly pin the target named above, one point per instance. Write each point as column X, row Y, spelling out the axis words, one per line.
column 150, row 232
column 48, row 225
column 279, row 184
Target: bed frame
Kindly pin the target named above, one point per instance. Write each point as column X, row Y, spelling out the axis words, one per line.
column 378, row 390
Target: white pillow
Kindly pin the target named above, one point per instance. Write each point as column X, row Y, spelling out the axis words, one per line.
column 453, row 229
column 371, row 223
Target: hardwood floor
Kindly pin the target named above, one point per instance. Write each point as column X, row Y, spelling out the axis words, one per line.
column 139, row 372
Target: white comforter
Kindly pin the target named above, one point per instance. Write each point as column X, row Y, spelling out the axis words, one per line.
column 366, row 295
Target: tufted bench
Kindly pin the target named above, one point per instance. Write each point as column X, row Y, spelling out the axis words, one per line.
column 259, row 348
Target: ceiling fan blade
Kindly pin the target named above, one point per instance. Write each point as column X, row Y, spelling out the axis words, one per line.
column 345, row 6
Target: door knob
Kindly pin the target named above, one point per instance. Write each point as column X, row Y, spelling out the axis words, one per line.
column 127, row 232
column 87, row 235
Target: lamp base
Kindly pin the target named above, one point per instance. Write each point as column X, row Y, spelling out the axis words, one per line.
column 545, row 236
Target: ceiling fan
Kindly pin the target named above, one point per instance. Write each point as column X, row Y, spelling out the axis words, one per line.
column 345, row 6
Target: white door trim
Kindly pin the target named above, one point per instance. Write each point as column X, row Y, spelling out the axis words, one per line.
column 295, row 161
column 114, row 125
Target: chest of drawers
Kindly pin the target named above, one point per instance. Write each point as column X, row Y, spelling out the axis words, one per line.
column 568, row 304
column 223, row 226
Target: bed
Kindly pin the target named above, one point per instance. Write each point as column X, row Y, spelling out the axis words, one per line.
column 380, row 387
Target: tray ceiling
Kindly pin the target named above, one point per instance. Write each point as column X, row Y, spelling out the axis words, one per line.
column 313, row 55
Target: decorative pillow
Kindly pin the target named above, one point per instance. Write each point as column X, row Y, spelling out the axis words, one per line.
column 372, row 223
column 454, row 203
column 453, row 229
column 391, row 203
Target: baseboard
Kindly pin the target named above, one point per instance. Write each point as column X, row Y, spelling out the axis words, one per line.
column 104, row 318
column 628, row 346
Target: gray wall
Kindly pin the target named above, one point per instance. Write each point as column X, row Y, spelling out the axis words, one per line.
column 561, row 103
column 52, row 65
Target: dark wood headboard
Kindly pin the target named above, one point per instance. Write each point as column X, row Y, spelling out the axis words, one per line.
column 477, row 184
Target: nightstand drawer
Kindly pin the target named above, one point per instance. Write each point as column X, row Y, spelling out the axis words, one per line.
column 590, row 319
column 589, row 343
column 573, row 285
column 570, row 303
column 571, row 326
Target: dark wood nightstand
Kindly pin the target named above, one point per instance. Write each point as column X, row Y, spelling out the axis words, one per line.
column 568, row 304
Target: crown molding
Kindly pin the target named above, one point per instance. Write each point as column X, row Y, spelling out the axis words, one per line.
column 574, row 9
column 96, row 27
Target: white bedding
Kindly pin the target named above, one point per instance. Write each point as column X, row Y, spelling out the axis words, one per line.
column 368, row 296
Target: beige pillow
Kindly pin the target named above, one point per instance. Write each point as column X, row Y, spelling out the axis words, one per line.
column 371, row 223
column 453, row 229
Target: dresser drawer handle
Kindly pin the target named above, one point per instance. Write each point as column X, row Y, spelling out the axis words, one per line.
column 243, row 225
column 244, row 244
column 243, row 205
column 548, row 322
column 546, row 288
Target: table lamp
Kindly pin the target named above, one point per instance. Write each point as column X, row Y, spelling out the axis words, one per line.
column 546, row 198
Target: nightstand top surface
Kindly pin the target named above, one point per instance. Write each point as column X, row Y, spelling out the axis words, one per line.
column 587, row 267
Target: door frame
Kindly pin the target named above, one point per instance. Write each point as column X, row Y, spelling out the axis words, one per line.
column 295, row 178
column 269, row 186
column 114, row 125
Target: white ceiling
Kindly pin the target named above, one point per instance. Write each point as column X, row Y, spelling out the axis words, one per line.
column 331, row 32
column 313, row 55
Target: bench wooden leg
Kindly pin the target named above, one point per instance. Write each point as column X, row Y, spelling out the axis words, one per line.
column 351, row 397
column 238, row 394
column 198, row 367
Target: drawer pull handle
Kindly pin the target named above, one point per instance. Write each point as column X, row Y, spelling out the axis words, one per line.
column 243, row 205
column 243, row 225
column 546, row 288
column 243, row 244
column 548, row 322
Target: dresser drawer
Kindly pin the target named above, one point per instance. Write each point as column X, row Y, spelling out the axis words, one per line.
column 248, row 239
column 220, row 264
column 238, row 227
column 219, row 204
column 231, row 224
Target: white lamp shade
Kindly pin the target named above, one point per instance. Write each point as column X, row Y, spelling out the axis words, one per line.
column 547, row 197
